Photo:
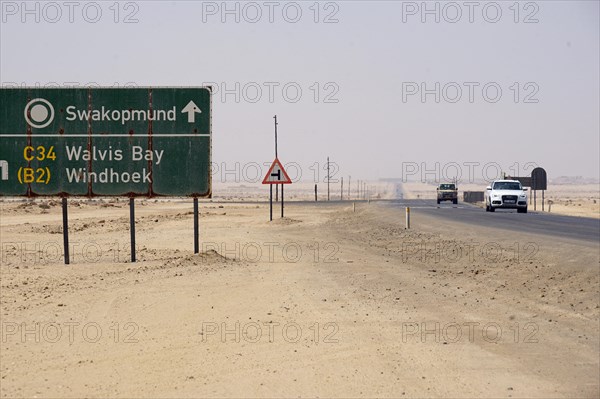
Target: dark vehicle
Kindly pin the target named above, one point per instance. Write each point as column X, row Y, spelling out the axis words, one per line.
column 447, row 192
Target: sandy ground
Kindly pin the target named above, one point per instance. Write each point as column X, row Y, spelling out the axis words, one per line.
column 305, row 191
column 324, row 303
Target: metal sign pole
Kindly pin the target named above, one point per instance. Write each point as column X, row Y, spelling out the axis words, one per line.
column 276, row 186
column 542, row 200
column 282, row 200
column 132, row 227
column 271, row 202
column 65, row 229
column 196, row 227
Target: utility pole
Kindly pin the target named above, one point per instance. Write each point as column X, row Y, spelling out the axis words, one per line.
column 328, row 177
column 349, row 181
column 277, row 185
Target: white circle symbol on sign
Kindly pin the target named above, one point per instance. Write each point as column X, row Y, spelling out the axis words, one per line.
column 39, row 113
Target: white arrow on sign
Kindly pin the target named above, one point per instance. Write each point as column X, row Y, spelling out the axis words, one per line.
column 191, row 108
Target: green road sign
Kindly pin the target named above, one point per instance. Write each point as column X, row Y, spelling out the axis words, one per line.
column 105, row 141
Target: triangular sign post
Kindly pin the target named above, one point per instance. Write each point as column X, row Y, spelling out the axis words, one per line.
column 276, row 174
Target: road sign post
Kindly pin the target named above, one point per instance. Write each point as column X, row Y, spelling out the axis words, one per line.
column 65, row 230
column 271, row 203
column 132, row 227
column 539, row 179
column 196, row 227
column 276, row 175
column 130, row 142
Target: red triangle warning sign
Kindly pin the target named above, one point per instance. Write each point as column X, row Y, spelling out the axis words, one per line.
column 276, row 174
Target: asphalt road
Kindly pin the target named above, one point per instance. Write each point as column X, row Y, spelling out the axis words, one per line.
column 576, row 228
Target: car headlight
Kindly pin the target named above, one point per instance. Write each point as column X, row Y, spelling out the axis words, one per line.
column 496, row 196
column 523, row 196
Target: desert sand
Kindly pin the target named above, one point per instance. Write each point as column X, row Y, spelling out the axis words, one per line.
column 326, row 302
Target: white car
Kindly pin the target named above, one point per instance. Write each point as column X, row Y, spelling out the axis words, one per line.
column 506, row 194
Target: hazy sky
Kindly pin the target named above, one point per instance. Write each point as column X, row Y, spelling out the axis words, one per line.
column 361, row 76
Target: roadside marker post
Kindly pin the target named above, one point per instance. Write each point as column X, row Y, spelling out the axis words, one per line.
column 407, row 217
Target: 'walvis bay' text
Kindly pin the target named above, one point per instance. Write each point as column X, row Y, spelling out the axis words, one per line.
column 108, row 174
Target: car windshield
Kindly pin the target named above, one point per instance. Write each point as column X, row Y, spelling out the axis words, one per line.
column 507, row 185
column 446, row 186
